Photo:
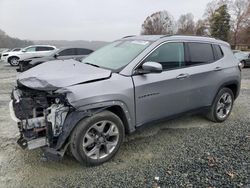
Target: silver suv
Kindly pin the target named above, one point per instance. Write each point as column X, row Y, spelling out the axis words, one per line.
column 89, row 106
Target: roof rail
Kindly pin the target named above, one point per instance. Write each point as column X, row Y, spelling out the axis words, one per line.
column 166, row 36
column 128, row 36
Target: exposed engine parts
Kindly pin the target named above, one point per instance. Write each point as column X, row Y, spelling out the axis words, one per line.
column 56, row 116
column 40, row 116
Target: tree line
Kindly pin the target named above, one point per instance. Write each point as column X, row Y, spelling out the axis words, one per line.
column 9, row 42
column 228, row 20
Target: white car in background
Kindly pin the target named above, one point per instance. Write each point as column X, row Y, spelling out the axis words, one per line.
column 33, row 51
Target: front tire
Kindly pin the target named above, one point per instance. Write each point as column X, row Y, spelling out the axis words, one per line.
column 97, row 139
column 222, row 106
column 14, row 61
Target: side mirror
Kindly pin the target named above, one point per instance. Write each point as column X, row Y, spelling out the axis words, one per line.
column 56, row 55
column 23, row 51
column 150, row 67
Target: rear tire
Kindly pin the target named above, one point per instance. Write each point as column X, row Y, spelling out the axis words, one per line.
column 97, row 139
column 222, row 106
column 14, row 61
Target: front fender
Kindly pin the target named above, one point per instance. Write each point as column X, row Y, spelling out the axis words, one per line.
column 74, row 117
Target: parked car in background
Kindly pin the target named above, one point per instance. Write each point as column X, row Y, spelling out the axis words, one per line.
column 13, row 57
column 87, row 107
column 3, row 50
column 16, row 49
column 236, row 51
column 76, row 53
column 243, row 57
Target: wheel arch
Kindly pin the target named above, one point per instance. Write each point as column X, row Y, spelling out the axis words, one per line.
column 8, row 60
column 72, row 119
column 234, row 85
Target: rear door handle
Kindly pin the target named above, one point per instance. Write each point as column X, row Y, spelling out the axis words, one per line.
column 182, row 76
column 218, row 69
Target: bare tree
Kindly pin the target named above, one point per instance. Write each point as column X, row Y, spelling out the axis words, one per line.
column 240, row 17
column 159, row 23
column 201, row 28
column 210, row 11
column 244, row 36
column 213, row 6
column 186, row 24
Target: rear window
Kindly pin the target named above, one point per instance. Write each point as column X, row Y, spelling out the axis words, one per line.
column 200, row 53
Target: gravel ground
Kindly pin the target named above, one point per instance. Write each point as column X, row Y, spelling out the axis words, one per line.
column 186, row 152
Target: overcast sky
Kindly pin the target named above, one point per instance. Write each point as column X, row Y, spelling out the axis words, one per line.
column 104, row 20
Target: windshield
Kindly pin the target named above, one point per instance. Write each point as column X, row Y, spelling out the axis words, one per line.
column 117, row 54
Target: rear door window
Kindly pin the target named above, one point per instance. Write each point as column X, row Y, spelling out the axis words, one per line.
column 199, row 53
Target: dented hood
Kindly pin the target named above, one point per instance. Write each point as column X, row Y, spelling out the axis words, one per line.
column 53, row 75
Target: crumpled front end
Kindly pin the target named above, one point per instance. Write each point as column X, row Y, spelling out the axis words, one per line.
column 40, row 116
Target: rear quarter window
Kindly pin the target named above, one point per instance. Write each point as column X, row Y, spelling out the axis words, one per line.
column 200, row 53
column 218, row 52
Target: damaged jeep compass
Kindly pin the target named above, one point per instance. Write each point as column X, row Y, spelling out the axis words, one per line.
column 87, row 107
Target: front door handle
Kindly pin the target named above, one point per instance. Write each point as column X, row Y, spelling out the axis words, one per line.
column 182, row 76
column 218, row 69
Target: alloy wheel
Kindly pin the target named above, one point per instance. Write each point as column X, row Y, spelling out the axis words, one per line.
column 224, row 106
column 100, row 139
column 14, row 61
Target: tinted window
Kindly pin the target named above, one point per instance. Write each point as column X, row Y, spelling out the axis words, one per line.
column 44, row 48
column 67, row 52
column 200, row 53
column 169, row 55
column 83, row 51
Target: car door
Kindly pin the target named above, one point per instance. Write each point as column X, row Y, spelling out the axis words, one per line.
column 28, row 53
column 158, row 95
column 205, row 71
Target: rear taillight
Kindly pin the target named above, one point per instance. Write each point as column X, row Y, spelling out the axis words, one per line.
column 240, row 65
